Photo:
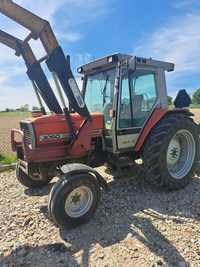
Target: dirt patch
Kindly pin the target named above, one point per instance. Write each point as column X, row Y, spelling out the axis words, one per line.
column 135, row 225
column 6, row 124
column 196, row 112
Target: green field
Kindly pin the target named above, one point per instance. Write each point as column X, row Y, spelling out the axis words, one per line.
column 195, row 106
column 15, row 114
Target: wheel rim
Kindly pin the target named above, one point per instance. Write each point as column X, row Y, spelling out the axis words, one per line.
column 79, row 201
column 181, row 154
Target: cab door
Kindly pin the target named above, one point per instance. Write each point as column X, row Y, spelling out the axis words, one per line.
column 137, row 100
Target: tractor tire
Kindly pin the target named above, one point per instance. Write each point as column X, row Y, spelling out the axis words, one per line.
column 171, row 152
column 31, row 182
column 74, row 200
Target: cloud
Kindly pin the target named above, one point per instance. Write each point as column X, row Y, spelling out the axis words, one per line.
column 42, row 8
column 178, row 41
column 13, row 97
column 69, row 36
column 3, row 78
column 189, row 4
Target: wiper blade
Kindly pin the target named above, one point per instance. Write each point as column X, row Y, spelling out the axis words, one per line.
column 104, row 90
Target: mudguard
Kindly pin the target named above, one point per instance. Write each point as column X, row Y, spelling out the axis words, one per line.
column 156, row 116
column 77, row 168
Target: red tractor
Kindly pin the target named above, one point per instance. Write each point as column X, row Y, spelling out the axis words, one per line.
column 121, row 115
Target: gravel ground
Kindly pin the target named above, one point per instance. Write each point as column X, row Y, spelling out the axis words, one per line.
column 135, row 225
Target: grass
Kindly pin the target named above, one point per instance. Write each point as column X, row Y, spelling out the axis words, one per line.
column 15, row 114
column 7, row 159
column 194, row 106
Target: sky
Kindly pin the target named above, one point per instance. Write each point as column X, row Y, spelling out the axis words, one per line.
column 166, row 30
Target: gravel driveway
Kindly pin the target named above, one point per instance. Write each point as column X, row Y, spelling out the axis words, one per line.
column 135, row 225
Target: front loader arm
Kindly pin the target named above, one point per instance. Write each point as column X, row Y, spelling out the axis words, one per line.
column 39, row 28
column 34, row 70
column 56, row 61
column 19, row 47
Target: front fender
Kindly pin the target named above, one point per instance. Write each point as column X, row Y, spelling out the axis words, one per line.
column 78, row 168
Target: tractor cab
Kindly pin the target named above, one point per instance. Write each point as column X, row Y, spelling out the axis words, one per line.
column 125, row 89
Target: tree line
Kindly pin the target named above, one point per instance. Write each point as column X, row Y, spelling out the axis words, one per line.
column 26, row 108
column 195, row 98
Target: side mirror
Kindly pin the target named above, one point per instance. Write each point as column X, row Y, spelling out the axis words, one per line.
column 132, row 64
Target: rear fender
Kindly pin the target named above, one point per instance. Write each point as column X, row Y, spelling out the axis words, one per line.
column 185, row 112
column 156, row 116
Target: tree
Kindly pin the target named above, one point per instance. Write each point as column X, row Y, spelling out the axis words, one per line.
column 170, row 100
column 35, row 108
column 196, row 97
column 24, row 108
column 9, row 110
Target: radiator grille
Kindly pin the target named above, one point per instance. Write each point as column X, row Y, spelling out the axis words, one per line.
column 28, row 133
column 27, row 136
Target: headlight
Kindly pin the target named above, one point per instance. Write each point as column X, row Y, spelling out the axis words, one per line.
column 80, row 70
column 110, row 59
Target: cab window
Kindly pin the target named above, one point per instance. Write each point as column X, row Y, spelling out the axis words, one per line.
column 99, row 93
column 138, row 97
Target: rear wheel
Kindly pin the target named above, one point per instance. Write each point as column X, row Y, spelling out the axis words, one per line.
column 32, row 181
column 171, row 152
column 73, row 200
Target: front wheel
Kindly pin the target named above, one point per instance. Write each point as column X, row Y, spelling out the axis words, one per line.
column 171, row 152
column 73, row 200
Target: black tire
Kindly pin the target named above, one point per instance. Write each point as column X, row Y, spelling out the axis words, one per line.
column 59, row 194
column 31, row 182
column 155, row 151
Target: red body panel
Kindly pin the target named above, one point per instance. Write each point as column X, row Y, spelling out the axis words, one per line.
column 59, row 149
column 156, row 116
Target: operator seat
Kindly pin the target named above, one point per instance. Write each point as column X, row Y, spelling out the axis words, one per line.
column 138, row 114
column 106, row 112
column 137, row 104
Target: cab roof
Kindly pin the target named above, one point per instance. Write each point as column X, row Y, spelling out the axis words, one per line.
column 112, row 60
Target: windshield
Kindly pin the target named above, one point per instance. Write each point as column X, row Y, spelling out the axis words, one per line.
column 99, row 93
column 99, row 90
